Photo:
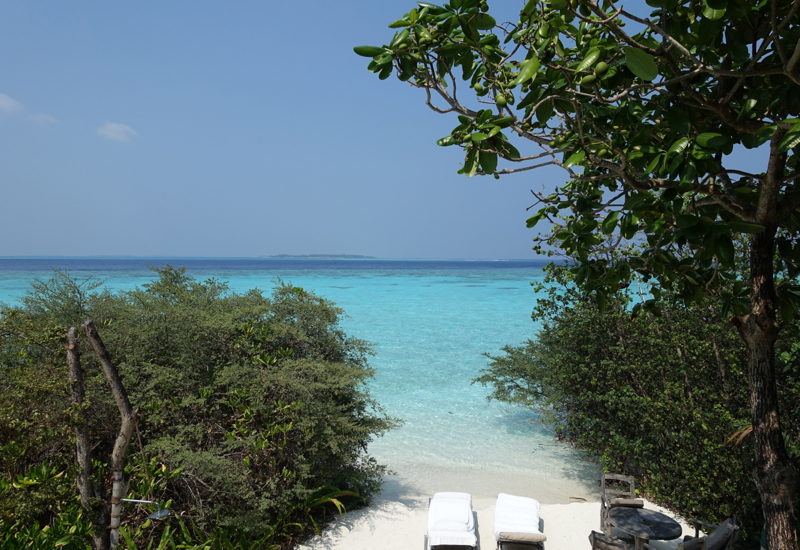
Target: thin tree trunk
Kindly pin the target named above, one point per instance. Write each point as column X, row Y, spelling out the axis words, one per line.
column 128, row 415
column 92, row 499
column 774, row 475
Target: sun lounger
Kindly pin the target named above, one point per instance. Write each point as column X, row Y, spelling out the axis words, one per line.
column 450, row 521
column 516, row 521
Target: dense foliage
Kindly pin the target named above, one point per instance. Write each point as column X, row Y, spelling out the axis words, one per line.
column 658, row 397
column 254, row 415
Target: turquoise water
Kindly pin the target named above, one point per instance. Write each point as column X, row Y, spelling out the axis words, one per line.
column 430, row 323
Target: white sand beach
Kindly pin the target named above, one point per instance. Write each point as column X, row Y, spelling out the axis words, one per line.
column 402, row 524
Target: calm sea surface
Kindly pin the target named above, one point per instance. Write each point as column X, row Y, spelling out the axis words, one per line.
column 430, row 321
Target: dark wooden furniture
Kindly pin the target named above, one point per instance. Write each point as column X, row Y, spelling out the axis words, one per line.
column 720, row 537
column 606, row 542
column 617, row 490
column 643, row 525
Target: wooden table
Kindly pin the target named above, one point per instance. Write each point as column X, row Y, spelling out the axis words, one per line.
column 644, row 524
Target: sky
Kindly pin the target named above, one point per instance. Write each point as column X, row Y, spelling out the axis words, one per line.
column 235, row 129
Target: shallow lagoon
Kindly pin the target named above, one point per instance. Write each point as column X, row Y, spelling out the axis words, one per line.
column 430, row 322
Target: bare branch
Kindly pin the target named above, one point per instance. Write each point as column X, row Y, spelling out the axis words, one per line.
column 525, row 169
column 793, row 60
column 774, row 21
column 669, row 38
column 616, row 28
column 789, row 15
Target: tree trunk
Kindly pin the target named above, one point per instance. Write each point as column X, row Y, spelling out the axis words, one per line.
column 93, row 500
column 128, row 415
column 774, row 475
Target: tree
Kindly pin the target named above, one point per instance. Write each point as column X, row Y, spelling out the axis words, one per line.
column 646, row 115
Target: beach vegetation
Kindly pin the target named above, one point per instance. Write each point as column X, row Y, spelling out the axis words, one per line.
column 253, row 413
column 646, row 110
column 656, row 396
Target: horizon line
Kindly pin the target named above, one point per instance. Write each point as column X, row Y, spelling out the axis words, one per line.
column 114, row 257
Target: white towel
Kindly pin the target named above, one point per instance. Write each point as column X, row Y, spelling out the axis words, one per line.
column 450, row 520
column 515, row 514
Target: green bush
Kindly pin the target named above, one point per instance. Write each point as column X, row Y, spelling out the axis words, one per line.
column 657, row 397
column 254, row 413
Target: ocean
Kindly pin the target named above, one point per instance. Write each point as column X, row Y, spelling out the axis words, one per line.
column 430, row 322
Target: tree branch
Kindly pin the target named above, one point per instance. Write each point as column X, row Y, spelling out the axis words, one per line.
column 128, row 415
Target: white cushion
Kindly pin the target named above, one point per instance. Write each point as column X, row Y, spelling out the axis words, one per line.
column 515, row 514
column 450, row 520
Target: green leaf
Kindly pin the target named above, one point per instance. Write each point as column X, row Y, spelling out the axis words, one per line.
column 452, row 49
column 530, row 7
column 386, row 72
column 679, row 146
column 591, row 58
column 575, row 159
column 747, row 107
column 545, row 112
column 763, row 135
column 610, row 223
column 508, row 150
column 746, row 227
column 533, row 220
column 711, row 140
column 433, row 8
column 478, row 137
column 791, row 139
column 725, row 251
column 368, row 51
column 602, row 300
column 488, row 161
column 484, row 22
column 685, row 221
column 399, row 23
column 679, row 121
column 470, row 163
column 531, row 98
column 399, row 38
column 713, row 14
column 528, row 71
column 653, row 165
column 641, row 63
column 688, row 171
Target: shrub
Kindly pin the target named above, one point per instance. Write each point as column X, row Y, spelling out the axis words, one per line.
column 655, row 396
column 252, row 409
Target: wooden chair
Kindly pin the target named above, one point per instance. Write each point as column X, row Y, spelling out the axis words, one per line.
column 612, row 496
column 720, row 537
column 601, row 541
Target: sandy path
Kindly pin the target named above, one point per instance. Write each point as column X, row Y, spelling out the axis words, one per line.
column 402, row 524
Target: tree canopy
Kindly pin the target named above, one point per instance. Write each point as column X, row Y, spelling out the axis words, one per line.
column 646, row 113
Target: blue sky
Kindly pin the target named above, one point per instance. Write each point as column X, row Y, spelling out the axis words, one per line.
column 231, row 129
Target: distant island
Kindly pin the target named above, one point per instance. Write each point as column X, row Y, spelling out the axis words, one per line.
column 323, row 256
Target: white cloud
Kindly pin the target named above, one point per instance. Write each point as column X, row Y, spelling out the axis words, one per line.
column 43, row 119
column 9, row 105
column 117, row 131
